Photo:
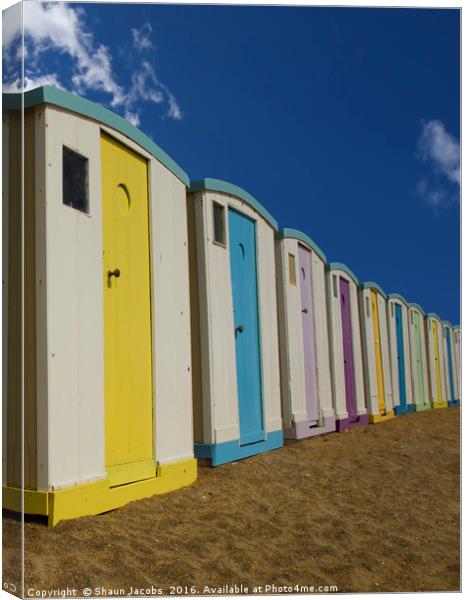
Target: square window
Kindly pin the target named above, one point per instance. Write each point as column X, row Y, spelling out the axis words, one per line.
column 334, row 285
column 292, row 270
column 75, row 180
column 218, row 212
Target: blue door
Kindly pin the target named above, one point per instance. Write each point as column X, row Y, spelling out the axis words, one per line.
column 451, row 372
column 242, row 239
column 400, row 358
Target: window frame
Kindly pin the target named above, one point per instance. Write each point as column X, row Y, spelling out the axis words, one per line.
column 72, row 151
column 223, row 212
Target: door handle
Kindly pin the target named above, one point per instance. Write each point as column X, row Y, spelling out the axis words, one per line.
column 305, row 310
column 239, row 329
column 115, row 273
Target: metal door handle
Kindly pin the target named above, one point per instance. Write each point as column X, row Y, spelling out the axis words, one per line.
column 239, row 328
column 114, row 273
column 305, row 310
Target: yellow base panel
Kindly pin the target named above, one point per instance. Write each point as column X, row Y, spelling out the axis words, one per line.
column 381, row 418
column 439, row 405
column 98, row 497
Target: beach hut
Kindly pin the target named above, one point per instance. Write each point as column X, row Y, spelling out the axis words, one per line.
column 346, row 347
column 418, row 356
column 376, row 360
column 457, row 355
column 399, row 344
column 436, row 366
column 236, row 376
column 452, row 387
column 107, row 352
column 306, row 388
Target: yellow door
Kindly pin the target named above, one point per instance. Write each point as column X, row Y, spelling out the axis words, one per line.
column 434, row 327
column 378, row 356
column 127, row 315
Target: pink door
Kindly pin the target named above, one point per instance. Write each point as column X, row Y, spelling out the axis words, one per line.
column 308, row 323
column 349, row 372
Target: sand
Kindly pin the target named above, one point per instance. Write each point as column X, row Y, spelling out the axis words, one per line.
column 373, row 509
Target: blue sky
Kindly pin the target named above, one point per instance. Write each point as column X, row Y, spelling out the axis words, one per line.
column 343, row 122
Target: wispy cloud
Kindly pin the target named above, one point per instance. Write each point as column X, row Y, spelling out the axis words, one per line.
column 441, row 148
column 62, row 28
column 439, row 187
column 31, row 83
column 142, row 37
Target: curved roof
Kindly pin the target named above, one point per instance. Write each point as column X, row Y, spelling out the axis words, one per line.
column 50, row 95
column 417, row 306
column 341, row 267
column 374, row 286
column 398, row 297
column 218, row 185
column 448, row 323
column 288, row 232
column 433, row 316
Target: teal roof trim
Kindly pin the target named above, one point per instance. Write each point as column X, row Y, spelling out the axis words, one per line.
column 337, row 265
column 433, row 316
column 50, row 95
column 374, row 286
column 398, row 297
column 457, row 327
column 449, row 324
column 287, row 232
column 218, row 185
column 417, row 306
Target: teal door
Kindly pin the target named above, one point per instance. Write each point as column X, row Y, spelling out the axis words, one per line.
column 451, row 371
column 242, row 240
column 400, row 358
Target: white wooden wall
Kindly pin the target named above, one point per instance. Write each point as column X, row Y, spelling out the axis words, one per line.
column 5, row 242
column 73, row 321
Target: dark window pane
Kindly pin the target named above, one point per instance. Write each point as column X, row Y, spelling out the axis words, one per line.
column 75, row 180
column 219, row 223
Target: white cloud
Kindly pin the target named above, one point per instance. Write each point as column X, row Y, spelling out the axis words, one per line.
column 441, row 148
column 133, row 117
column 142, row 37
column 174, row 108
column 60, row 27
column 32, row 82
column 441, row 151
column 11, row 25
column 145, row 85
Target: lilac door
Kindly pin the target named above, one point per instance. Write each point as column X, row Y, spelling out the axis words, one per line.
column 349, row 373
column 308, row 323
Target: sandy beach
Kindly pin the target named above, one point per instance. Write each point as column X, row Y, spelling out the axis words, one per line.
column 373, row 509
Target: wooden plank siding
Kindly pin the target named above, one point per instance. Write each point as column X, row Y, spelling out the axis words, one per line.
column 15, row 454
